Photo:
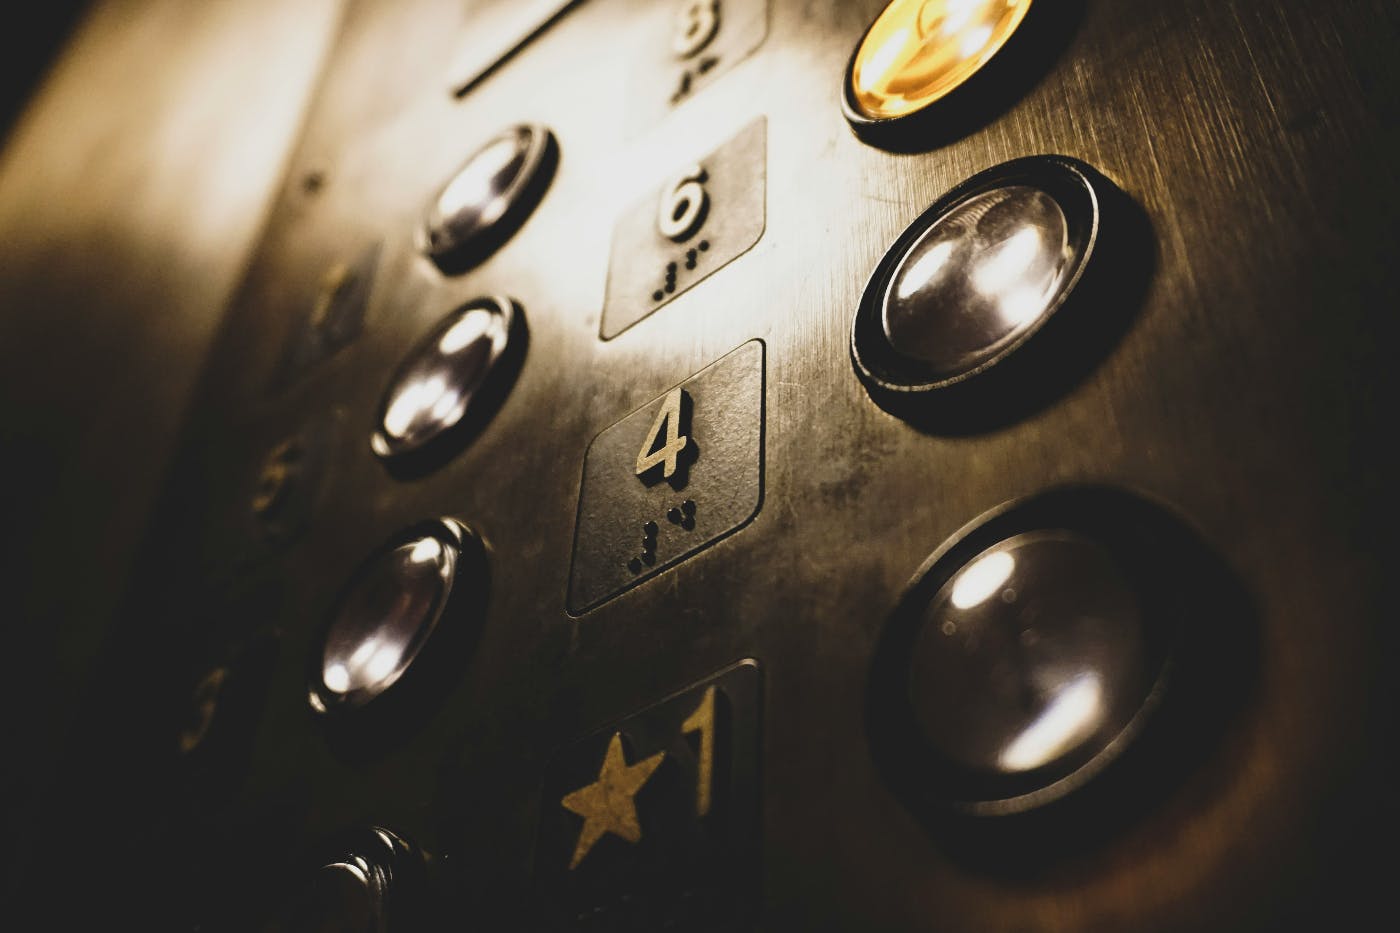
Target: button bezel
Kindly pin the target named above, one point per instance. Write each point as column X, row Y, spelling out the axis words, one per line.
column 1078, row 191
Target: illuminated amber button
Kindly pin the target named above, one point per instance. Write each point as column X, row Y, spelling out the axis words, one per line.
column 918, row 51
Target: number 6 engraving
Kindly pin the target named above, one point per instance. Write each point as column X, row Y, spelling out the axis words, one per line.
column 696, row 28
column 684, row 204
column 669, row 450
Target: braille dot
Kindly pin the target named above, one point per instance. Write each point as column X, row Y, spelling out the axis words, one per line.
column 670, row 268
column 649, row 558
column 704, row 245
column 690, row 254
column 651, row 528
column 674, row 516
column 690, row 263
column 634, row 565
column 657, row 295
column 688, row 523
column 688, row 506
column 670, row 287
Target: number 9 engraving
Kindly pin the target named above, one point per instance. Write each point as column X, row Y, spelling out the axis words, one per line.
column 696, row 28
column 684, row 204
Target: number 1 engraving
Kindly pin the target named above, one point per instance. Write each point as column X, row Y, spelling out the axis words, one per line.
column 703, row 721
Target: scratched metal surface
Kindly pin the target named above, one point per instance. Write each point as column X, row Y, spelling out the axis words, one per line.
column 1248, row 393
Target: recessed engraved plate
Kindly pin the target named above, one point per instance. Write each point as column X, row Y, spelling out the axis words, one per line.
column 707, row 214
column 332, row 319
column 690, row 43
column 671, row 478
column 652, row 823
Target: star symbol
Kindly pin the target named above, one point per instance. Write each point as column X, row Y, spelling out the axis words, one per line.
column 607, row 805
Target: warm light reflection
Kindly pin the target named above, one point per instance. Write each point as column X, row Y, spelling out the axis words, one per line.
column 980, row 580
column 337, row 678
column 479, row 180
column 425, row 551
column 382, row 663
column 411, row 401
column 924, row 270
column 1070, row 718
column 473, row 325
column 919, row 50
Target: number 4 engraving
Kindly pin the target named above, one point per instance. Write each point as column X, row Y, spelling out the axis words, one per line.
column 667, row 450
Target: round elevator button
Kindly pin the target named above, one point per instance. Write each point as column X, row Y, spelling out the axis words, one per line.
column 402, row 602
column 977, row 275
column 375, row 884
column 918, row 51
column 1032, row 650
column 448, row 376
column 1031, row 657
column 488, row 198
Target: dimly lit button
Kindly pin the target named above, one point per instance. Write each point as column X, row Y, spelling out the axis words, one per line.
column 491, row 194
column 202, row 710
column 373, row 886
column 918, row 51
column 1032, row 658
column 978, row 276
column 278, row 480
column 1033, row 652
column 445, row 377
column 975, row 276
column 391, row 609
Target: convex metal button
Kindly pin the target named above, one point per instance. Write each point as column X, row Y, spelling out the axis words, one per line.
column 1031, row 650
column 374, row 884
column 977, row 275
column 451, row 380
column 488, row 198
column 417, row 595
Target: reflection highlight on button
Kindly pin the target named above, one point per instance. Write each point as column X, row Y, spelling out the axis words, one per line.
column 918, row 51
column 978, row 277
column 443, row 377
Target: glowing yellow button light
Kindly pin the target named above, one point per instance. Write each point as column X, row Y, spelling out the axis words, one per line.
column 919, row 50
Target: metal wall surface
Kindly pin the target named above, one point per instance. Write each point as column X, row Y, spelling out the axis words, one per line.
column 133, row 188
column 1243, row 388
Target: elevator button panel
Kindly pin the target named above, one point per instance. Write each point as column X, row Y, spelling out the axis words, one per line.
column 671, row 478
column 710, row 212
column 652, row 823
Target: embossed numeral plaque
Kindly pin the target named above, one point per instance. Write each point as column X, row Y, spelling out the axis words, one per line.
column 706, row 215
column 652, row 823
column 690, row 43
column 675, row 475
